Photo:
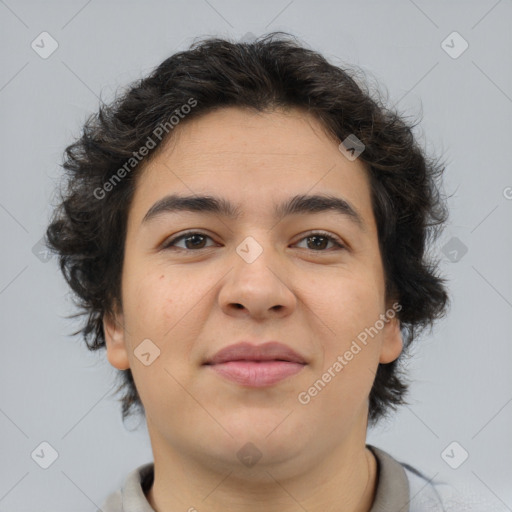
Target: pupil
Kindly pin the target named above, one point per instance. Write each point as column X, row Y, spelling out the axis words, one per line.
column 316, row 244
column 196, row 238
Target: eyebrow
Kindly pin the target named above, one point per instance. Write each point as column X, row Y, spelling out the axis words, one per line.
column 296, row 205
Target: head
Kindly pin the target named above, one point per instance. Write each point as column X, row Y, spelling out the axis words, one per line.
column 245, row 129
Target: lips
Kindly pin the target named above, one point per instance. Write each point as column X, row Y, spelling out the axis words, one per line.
column 244, row 351
column 256, row 365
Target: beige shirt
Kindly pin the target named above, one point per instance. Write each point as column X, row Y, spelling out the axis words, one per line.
column 400, row 488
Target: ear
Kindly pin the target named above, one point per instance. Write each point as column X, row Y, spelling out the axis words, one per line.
column 113, row 327
column 392, row 342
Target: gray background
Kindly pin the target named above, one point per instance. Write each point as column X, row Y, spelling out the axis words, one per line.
column 52, row 389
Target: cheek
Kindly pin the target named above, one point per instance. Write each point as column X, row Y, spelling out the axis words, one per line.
column 348, row 310
column 146, row 297
column 153, row 300
column 155, row 308
column 346, row 303
column 168, row 307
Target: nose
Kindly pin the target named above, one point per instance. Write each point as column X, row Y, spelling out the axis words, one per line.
column 258, row 287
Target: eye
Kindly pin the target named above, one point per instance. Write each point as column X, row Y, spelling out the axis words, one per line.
column 192, row 240
column 317, row 241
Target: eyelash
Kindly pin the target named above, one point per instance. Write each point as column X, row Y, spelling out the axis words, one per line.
column 168, row 244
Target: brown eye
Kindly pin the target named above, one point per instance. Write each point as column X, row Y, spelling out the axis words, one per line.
column 319, row 241
column 192, row 240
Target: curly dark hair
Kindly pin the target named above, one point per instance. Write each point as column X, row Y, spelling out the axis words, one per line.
column 274, row 71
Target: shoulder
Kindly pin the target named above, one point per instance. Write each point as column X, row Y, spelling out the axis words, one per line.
column 114, row 503
column 435, row 495
column 131, row 497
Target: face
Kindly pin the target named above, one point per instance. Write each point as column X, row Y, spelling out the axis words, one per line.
column 309, row 278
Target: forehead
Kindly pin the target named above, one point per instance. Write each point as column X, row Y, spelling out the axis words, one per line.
column 285, row 135
column 253, row 159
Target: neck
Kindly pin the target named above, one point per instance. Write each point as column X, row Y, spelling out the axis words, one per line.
column 342, row 479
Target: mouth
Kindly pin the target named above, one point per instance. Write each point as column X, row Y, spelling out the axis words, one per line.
column 256, row 365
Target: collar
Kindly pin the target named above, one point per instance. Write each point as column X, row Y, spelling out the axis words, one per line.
column 392, row 493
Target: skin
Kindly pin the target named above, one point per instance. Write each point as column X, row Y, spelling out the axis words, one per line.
column 191, row 304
